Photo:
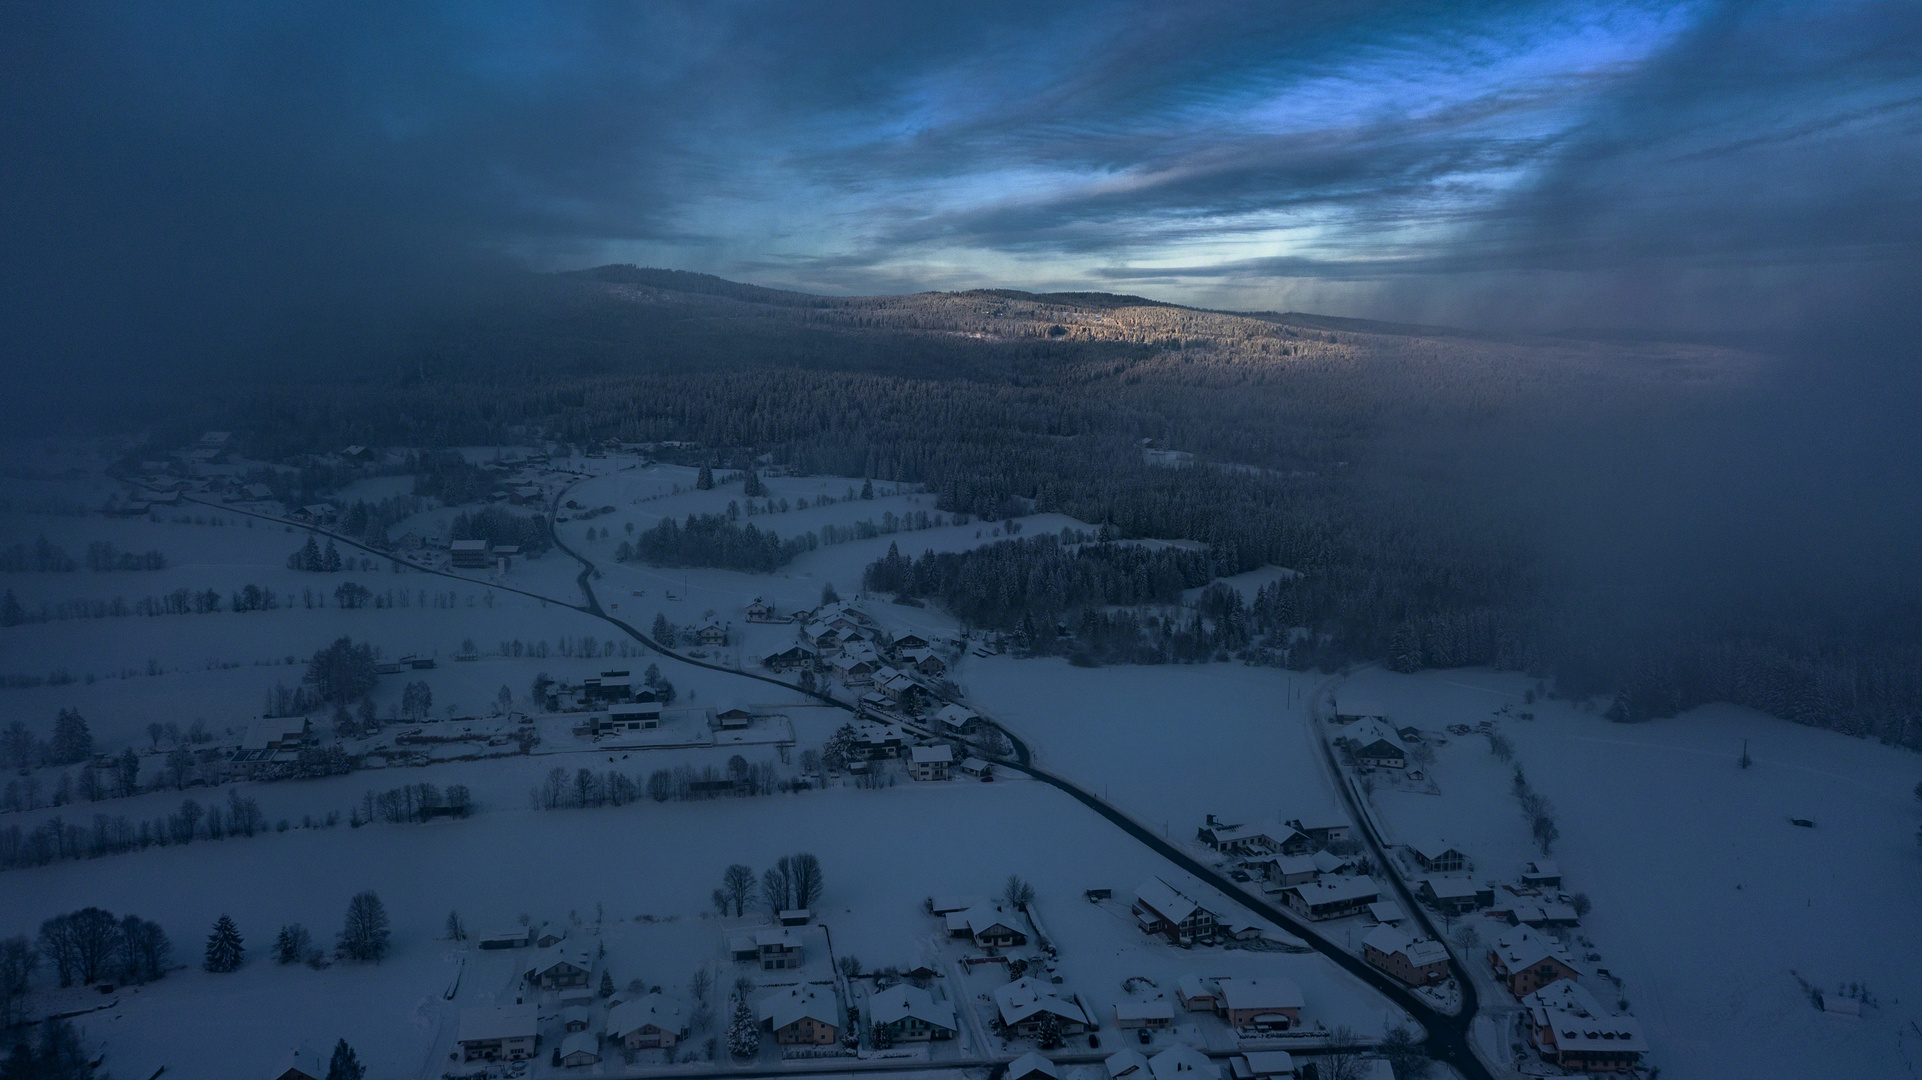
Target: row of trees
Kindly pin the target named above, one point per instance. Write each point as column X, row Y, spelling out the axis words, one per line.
column 47, row 557
column 713, row 540
column 793, row 882
column 585, row 787
column 57, row 840
column 69, row 742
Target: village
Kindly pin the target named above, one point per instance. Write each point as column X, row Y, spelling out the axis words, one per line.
column 751, row 705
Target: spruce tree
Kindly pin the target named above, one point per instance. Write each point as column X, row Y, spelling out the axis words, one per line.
column 290, row 945
column 743, row 1034
column 345, row 1064
column 705, row 481
column 223, row 946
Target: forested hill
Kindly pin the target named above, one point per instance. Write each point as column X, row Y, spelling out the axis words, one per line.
column 1433, row 487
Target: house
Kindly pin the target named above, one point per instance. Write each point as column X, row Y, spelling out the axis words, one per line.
column 1182, row 1062
column 655, row 1020
column 925, row 662
column 793, row 916
column 519, row 937
column 1387, row 912
column 611, row 686
column 732, row 718
column 630, row 716
column 1452, row 895
column 1270, row 1003
column 1026, row 1003
column 1156, row 1013
column 711, row 635
column 910, row 1014
column 899, row 687
column 990, row 925
column 774, row 948
column 1331, row 898
column 1328, row 862
column 1126, row 1065
column 856, row 669
column 1572, row 1030
column 580, row 1048
column 930, row 762
column 954, row 717
column 1197, row 994
column 1439, row 857
column 574, row 1018
column 1263, row 1065
column 1246, row 841
column 1415, row 961
column 1542, row 874
column 303, row 1063
column 805, row 1015
column 564, row 972
column 1349, row 710
column 759, row 610
column 796, row 658
column 506, row 1033
column 876, row 741
column 1160, row 908
column 979, row 768
column 1321, row 829
column 1526, row 961
column 910, row 642
column 1032, row 1066
column 1375, row 744
column 821, row 636
column 473, row 554
column 1286, row 870
column 549, row 936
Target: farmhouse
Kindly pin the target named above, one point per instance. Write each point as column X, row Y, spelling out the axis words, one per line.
column 1349, row 710
column 1542, row 874
column 759, row 610
column 1572, row 1030
column 1245, row 841
column 1525, row 961
column 792, row 659
column 1439, row 857
column 1286, row 870
column 519, row 937
column 711, row 635
column 563, row 972
column 990, row 926
column 898, row 686
column 1025, row 1003
column 910, row 642
column 774, row 948
column 1331, row 898
column 473, row 554
column 1321, row 829
column 822, row 637
column 856, row 668
column 925, row 662
column 876, row 741
column 647, row 1022
column 805, row 1015
column 910, row 1014
column 1160, row 908
column 508, row 1033
column 1374, row 744
column 1415, row 961
column 1182, row 1062
column 954, row 717
column 1453, row 895
column 930, row 762
column 1270, row 1003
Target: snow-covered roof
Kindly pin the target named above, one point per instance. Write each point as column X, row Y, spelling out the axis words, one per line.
column 981, row 918
column 804, row 1002
column 1166, row 900
column 954, row 715
column 1267, row 992
column 1290, row 865
column 1434, row 848
column 581, row 1042
column 1027, row 997
column 1367, row 733
column 655, row 1010
column 1579, row 1022
column 1030, row 1063
column 1269, row 1062
column 1194, row 986
column 941, row 905
column 904, row 1000
column 1387, row 911
column 1448, row 887
column 1125, row 1063
column 1328, row 862
column 1521, row 948
column 1336, row 890
column 1420, row 951
column 1152, row 1009
column 933, row 755
column 503, row 1022
column 1183, row 1062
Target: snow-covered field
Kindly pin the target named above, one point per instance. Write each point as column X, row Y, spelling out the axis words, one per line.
column 1708, row 903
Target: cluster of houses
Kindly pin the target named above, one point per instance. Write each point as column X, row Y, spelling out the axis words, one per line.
column 1295, row 860
column 841, row 639
column 1568, row 1026
column 1180, row 1061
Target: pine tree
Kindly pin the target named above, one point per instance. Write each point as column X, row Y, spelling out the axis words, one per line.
column 223, row 946
column 743, row 1034
column 330, row 560
column 345, row 1064
column 607, row 983
column 455, row 931
column 704, row 481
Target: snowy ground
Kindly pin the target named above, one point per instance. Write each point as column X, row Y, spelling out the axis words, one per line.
column 1708, row 903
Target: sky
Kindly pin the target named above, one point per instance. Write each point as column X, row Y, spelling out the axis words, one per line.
column 216, row 172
